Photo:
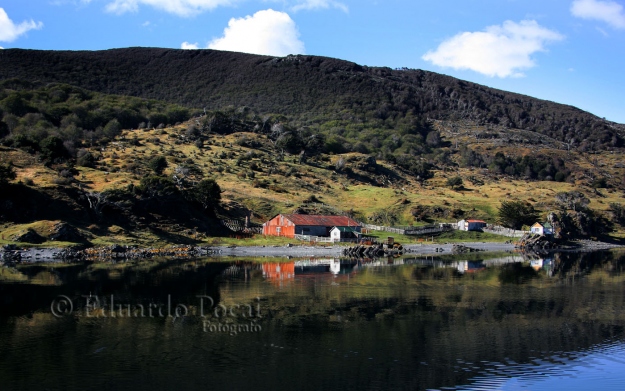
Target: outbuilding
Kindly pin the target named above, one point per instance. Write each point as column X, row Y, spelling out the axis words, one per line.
column 544, row 229
column 338, row 233
column 471, row 225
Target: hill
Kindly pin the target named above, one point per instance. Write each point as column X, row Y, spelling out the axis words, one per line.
column 254, row 181
column 339, row 98
column 128, row 146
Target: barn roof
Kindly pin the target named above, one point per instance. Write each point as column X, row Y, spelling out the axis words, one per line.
column 476, row 221
column 325, row 221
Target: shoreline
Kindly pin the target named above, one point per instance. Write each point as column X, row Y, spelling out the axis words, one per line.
column 14, row 254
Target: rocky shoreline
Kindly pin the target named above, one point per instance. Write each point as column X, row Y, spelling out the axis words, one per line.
column 11, row 254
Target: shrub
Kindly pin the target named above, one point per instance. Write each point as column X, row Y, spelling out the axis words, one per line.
column 455, row 182
column 155, row 186
column 85, row 159
column 157, row 164
column 7, row 173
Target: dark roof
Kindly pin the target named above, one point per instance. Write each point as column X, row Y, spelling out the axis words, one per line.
column 325, row 221
column 347, row 229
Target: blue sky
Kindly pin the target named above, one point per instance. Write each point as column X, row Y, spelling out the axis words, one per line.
column 568, row 51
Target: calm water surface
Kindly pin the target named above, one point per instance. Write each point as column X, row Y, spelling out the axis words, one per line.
column 489, row 322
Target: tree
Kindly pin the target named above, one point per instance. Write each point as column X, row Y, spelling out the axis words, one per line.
column 207, row 193
column 455, row 182
column 52, row 148
column 586, row 223
column 186, row 175
column 155, row 187
column 85, row 159
column 193, row 132
column 112, row 129
column 340, row 164
column 289, row 141
column 433, row 139
column 157, row 164
column 4, row 129
column 618, row 213
column 516, row 214
column 97, row 201
column 11, row 120
column 6, row 174
column 14, row 104
column 334, row 145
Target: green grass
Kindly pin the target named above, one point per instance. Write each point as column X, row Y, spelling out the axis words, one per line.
column 48, row 244
column 256, row 240
column 456, row 236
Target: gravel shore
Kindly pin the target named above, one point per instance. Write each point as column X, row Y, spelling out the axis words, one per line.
column 13, row 254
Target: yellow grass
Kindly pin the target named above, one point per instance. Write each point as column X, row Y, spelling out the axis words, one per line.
column 334, row 189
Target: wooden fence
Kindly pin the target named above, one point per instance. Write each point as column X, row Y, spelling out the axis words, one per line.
column 324, row 239
column 238, row 226
column 503, row 231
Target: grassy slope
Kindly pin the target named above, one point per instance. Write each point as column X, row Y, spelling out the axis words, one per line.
column 282, row 193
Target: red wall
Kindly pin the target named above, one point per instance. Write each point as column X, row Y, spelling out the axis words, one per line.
column 279, row 271
column 287, row 229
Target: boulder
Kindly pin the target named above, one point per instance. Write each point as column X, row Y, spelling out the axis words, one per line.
column 29, row 236
column 534, row 241
column 64, row 232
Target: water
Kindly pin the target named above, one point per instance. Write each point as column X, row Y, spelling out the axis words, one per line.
column 477, row 322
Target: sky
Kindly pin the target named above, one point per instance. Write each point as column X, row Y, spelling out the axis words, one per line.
column 567, row 51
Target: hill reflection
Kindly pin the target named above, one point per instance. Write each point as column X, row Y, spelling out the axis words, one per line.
column 403, row 323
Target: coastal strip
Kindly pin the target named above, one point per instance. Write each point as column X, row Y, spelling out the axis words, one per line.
column 13, row 254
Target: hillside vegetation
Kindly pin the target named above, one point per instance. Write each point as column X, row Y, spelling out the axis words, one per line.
column 378, row 107
column 162, row 146
column 140, row 207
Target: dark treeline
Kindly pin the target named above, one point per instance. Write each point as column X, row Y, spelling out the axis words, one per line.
column 358, row 108
column 56, row 120
column 529, row 167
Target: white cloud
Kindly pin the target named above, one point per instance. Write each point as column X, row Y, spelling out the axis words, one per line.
column 266, row 32
column 178, row 7
column 318, row 4
column 189, row 46
column 501, row 51
column 192, row 7
column 10, row 31
column 609, row 12
column 123, row 6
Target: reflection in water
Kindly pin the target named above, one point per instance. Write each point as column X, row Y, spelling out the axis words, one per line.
column 467, row 322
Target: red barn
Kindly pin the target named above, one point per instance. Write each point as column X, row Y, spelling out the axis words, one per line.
column 313, row 225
